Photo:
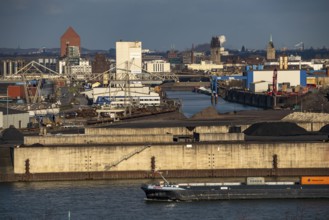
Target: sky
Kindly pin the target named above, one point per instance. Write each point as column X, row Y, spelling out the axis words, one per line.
column 162, row 24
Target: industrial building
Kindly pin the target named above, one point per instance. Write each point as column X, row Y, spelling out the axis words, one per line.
column 258, row 80
column 116, row 95
column 128, row 58
column 81, row 68
column 69, row 38
column 204, row 66
column 100, row 64
column 11, row 66
column 157, row 66
column 73, row 65
column 17, row 118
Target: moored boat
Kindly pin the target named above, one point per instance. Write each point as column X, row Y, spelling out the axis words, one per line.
column 253, row 188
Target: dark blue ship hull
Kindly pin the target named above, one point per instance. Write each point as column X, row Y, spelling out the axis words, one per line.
column 194, row 193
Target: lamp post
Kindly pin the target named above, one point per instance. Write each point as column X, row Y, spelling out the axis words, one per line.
column 7, row 110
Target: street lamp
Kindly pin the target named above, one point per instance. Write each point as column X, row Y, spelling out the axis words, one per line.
column 7, row 110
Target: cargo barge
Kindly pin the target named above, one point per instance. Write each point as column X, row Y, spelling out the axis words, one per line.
column 254, row 188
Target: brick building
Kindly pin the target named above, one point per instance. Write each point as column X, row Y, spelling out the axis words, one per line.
column 69, row 38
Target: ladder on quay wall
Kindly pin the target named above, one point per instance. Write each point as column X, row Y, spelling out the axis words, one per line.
column 126, row 157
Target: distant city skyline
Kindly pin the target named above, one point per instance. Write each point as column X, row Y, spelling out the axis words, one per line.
column 160, row 24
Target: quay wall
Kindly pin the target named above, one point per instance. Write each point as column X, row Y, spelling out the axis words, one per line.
column 99, row 139
column 150, row 135
column 56, row 140
column 309, row 126
column 312, row 126
column 157, row 131
column 179, row 156
column 221, row 137
column 139, row 131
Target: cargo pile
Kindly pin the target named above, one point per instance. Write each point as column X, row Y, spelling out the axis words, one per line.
column 11, row 134
column 307, row 117
column 275, row 129
column 207, row 113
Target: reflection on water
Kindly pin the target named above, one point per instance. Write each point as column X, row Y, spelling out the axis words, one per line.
column 193, row 103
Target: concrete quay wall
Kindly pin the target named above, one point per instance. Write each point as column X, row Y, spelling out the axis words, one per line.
column 182, row 156
column 309, row 126
column 149, row 135
column 161, row 130
column 138, row 131
column 51, row 140
column 221, row 137
column 99, row 139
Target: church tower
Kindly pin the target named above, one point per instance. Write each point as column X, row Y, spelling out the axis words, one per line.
column 270, row 50
column 215, row 50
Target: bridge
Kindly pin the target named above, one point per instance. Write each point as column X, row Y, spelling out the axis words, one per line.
column 214, row 86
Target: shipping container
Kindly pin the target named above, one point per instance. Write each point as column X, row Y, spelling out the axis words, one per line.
column 16, row 92
column 255, row 180
column 311, row 81
column 315, row 180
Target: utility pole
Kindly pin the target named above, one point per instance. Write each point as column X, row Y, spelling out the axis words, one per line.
column 7, row 109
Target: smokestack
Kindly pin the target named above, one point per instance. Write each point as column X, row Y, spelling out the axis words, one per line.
column 285, row 60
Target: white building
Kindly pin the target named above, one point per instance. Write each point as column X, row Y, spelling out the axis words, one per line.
column 298, row 63
column 257, row 80
column 82, row 68
column 204, row 66
column 137, row 91
column 128, row 57
column 157, row 66
column 19, row 119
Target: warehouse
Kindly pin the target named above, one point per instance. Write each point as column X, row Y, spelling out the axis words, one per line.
column 291, row 77
column 17, row 118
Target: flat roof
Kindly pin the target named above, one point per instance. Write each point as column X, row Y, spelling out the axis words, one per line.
column 11, row 111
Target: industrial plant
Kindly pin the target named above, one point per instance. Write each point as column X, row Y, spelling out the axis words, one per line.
column 85, row 116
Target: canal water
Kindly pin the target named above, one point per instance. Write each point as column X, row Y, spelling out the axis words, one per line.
column 125, row 200
column 193, row 103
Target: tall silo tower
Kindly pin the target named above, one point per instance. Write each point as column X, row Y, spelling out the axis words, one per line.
column 215, row 50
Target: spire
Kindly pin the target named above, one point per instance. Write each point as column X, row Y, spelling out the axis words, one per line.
column 271, row 40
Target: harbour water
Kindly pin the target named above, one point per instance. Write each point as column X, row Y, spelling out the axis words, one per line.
column 125, row 200
column 193, row 103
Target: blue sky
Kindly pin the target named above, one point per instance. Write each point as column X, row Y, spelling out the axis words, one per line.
column 162, row 23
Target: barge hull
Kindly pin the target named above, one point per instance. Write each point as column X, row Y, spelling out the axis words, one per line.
column 241, row 193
